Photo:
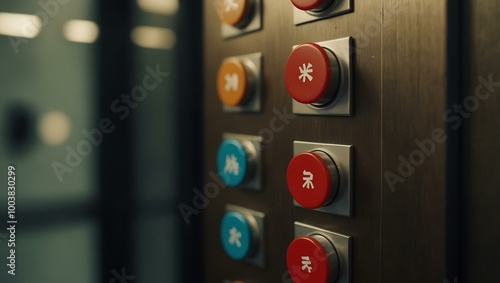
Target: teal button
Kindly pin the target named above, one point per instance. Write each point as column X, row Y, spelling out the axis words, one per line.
column 236, row 235
column 232, row 162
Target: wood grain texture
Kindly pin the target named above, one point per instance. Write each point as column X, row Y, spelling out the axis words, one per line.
column 414, row 99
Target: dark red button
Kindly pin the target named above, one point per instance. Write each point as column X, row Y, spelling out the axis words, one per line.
column 308, row 74
column 307, row 5
column 308, row 261
column 310, row 181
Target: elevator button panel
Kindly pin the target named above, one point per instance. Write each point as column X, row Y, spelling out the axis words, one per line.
column 239, row 16
column 239, row 83
column 319, row 177
column 319, row 256
column 242, row 234
column 318, row 77
column 312, row 10
column 239, row 161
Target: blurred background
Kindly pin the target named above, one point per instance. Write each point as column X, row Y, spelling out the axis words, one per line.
column 84, row 84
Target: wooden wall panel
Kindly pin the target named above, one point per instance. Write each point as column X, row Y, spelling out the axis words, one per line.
column 414, row 98
column 480, row 226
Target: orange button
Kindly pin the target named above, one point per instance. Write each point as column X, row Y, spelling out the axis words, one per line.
column 233, row 12
column 232, row 82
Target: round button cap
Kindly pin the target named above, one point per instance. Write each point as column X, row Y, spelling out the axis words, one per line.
column 307, row 5
column 308, row 74
column 236, row 235
column 310, row 181
column 232, row 162
column 308, row 260
column 233, row 12
column 232, row 82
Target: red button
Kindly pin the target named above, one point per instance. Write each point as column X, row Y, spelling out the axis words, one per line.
column 312, row 74
column 308, row 261
column 311, row 4
column 312, row 181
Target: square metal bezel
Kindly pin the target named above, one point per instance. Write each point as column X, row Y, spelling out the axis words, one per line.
column 342, row 155
column 339, row 8
column 255, row 24
column 342, row 244
column 256, row 182
column 254, row 104
column 258, row 258
column 343, row 103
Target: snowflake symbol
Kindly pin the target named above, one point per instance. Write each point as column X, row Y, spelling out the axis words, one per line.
column 234, row 237
column 305, row 71
column 232, row 165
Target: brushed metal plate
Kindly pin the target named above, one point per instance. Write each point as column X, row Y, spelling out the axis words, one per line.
column 343, row 158
column 258, row 258
column 340, row 7
column 342, row 244
column 343, row 103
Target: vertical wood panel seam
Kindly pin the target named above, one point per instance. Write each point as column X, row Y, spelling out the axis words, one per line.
column 381, row 135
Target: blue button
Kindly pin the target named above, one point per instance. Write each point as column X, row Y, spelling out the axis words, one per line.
column 232, row 162
column 236, row 235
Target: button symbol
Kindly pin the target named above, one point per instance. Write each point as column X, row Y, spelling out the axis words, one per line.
column 306, row 264
column 232, row 166
column 232, row 82
column 234, row 237
column 230, row 5
column 305, row 71
column 307, row 177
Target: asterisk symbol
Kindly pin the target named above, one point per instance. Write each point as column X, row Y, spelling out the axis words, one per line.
column 305, row 71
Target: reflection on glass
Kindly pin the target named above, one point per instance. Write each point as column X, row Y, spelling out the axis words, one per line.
column 164, row 7
column 153, row 37
column 81, row 31
column 20, row 25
